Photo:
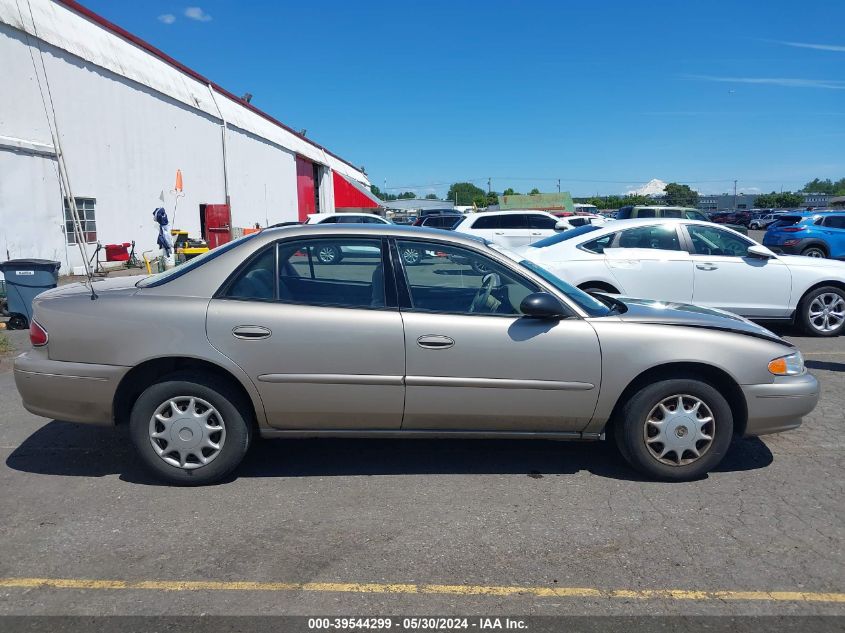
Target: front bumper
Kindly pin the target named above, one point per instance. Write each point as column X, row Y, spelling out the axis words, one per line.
column 779, row 406
column 73, row 392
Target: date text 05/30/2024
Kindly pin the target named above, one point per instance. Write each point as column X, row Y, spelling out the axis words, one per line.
column 425, row 623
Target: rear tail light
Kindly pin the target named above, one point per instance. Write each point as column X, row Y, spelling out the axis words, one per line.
column 792, row 229
column 37, row 334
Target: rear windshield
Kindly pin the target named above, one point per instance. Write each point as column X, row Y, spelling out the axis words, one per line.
column 787, row 220
column 168, row 275
column 557, row 238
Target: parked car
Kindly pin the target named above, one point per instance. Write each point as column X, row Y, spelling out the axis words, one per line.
column 634, row 212
column 813, row 234
column 764, row 220
column 698, row 262
column 511, row 228
column 733, row 218
column 345, row 218
column 258, row 337
column 446, row 221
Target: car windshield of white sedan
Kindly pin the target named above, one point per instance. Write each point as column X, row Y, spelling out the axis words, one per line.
column 178, row 271
column 587, row 303
column 565, row 235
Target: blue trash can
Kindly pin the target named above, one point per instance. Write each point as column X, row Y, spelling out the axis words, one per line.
column 26, row 278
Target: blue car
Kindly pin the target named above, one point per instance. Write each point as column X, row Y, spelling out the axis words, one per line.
column 811, row 233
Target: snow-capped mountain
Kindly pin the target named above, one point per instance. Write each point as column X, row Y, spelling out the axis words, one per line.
column 653, row 187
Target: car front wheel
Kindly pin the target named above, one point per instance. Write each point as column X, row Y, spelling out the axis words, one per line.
column 814, row 251
column 822, row 311
column 675, row 430
column 188, row 429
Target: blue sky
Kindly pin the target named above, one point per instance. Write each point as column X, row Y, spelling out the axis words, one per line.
column 604, row 95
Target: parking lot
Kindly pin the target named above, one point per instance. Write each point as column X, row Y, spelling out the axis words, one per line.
column 423, row 527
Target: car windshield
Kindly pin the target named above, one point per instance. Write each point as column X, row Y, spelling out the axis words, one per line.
column 565, row 235
column 178, row 271
column 588, row 304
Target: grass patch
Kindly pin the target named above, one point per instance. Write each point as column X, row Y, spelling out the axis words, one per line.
column 5, row 344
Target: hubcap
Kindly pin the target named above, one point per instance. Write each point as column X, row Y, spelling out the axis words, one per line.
column 814, row 252
column 679, row 430
column 327, row 255
column 827, row 312
column 411, row 256
column 187, row 432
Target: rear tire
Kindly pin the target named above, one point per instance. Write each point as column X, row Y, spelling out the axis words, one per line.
column 814, row 251
column 811, row 311
column 329, row 254
column 642, row 424
column 163, row 435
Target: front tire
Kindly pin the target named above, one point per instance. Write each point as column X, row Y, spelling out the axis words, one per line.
column 822, row 311
column 675, row 430
column 188, row 429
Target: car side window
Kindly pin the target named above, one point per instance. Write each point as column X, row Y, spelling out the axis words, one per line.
column 695, row 215
column 661, row 237
column 835, row 222
column 672, row 213
column 541, row 222
column 352, row 219
column 373, row 220
column 486, row 222
column 456, row 280
column 708, row 240
column 513, row 221
column 256, row 281
column 646, row 213
column 343, row 272
column 331, row 220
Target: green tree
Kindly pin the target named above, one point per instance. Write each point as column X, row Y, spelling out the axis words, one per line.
column 465, row 193
column 781, row 200
column 431, row 196
column 510, row 192
column 820, row 186
column 534, row 192
column 680, row 195
column 406, row 195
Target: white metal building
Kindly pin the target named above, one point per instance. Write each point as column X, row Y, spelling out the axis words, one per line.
column 128, row 117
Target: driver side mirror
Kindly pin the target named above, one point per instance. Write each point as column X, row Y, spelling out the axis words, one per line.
column 542, row 305
column 561, row 225
column 756, row 250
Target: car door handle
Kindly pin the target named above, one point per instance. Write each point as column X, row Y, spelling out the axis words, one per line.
column 498, row 232
column 251, row 332
column 536, row 233
column 707, row 266
column 435, row 341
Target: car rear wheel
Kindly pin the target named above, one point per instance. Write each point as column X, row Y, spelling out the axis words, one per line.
column 411, row 256
column 188, row 429
column 675, row 430
column 822, row 311
column 814, row 251
column 328, row 254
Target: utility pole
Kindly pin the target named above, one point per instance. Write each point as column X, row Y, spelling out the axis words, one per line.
column 558, row 185
column 734, row 195
column 489, row 185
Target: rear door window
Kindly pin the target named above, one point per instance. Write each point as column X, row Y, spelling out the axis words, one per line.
column 660, row 237
column 537, row 221
column 672, row 213
column 646, row 213
column 835, row 222
column 486, row 222
column 513, row 221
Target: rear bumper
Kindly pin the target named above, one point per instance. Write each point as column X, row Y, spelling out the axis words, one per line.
column 779, row 406
column 73, row 392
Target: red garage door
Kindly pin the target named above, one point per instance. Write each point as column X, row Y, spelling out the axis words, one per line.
column 306, row 187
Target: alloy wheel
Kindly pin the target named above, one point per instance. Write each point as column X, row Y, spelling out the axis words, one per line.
column 327, row 255
column 411, row 256
column 814, row 252
column 679, row 430
column 187, row 432
column 826, row 312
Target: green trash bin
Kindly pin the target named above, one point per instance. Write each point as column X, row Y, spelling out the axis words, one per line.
column 25, row 279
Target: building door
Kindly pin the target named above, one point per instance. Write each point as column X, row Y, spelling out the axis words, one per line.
column 306, row 187
column 216, row 224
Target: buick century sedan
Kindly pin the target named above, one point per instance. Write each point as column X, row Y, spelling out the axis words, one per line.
column 262, row 337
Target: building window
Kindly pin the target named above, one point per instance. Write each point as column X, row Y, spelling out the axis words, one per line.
column 85, row 209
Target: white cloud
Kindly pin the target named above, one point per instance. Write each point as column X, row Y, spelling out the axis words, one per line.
column 786, row 82
column 819, row 47
column 196, row 13
column 167, row 18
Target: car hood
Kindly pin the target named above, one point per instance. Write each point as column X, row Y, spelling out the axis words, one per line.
column 684, row 314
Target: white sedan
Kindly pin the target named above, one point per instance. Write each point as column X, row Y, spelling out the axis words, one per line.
column 701, row 263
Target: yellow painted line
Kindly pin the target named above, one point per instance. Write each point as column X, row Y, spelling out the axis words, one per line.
column 462, row 590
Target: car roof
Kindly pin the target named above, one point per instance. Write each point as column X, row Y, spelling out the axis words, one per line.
column 506, row 212
column 660, row 206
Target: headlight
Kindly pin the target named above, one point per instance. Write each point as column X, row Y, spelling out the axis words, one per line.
column 791, row 365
